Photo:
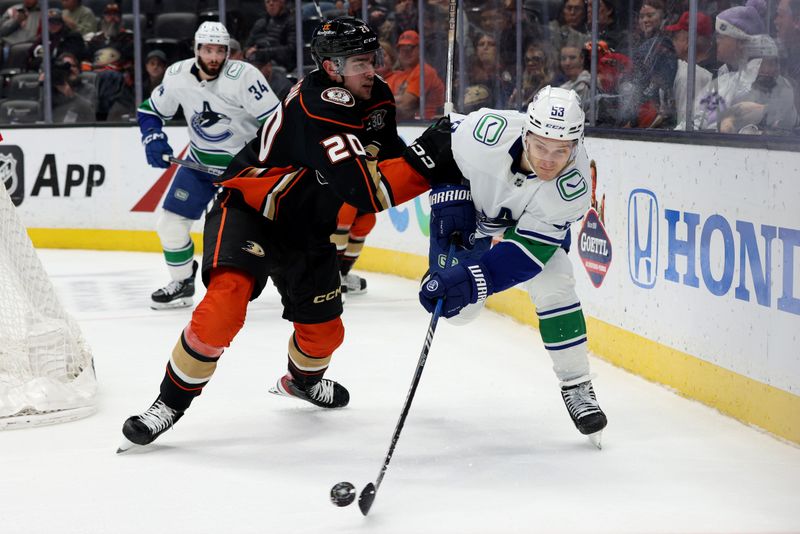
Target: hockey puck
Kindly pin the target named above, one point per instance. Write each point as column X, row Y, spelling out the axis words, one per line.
column 343, row 494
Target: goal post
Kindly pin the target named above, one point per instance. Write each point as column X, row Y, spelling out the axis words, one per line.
column 46, row 367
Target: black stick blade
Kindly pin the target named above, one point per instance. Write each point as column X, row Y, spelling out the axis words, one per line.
column 366, row 498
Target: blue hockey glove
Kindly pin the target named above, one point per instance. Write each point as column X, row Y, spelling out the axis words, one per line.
column 156, row 147
column 452, row 217
column 459, row 285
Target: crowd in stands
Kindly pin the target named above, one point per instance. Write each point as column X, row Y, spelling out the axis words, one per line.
column 746, row 71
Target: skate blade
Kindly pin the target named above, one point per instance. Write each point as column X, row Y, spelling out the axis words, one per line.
column 596, row 439
column 175, row 304
column 126, row 445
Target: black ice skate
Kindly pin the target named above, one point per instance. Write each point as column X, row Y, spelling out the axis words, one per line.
column 144, row 428
column 325, row 393
column 352, row 284
column 582, row 406
column 176, row 294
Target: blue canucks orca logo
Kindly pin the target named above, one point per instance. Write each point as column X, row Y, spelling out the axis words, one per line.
column 207, row 119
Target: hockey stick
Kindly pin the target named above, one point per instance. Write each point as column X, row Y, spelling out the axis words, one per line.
column 451, row 45
column 192, row 165
column 319, row 11
column 367, row 496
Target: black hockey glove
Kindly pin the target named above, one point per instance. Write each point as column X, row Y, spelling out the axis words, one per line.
column 432, row 157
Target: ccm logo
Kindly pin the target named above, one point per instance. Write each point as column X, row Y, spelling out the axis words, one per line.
column 319, row 299
column 419, row 151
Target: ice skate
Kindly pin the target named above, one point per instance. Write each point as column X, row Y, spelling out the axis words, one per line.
column 176, row 294
column 352, row 284
column 584, row 410
column 325, row 393
column 144, row 428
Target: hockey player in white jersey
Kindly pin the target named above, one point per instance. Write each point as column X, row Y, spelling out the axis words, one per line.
column 224, row 102
column 528, row 177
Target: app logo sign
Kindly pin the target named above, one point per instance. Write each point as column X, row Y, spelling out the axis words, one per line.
column 643, row 237
column 12, row 171
column 594, row 248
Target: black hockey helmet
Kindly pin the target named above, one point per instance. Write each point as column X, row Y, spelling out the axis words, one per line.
column 342, row 37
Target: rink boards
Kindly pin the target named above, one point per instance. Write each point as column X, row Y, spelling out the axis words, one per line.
column 693, row 283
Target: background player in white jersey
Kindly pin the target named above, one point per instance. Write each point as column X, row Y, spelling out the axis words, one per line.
column 224, row 101
column 528, row 179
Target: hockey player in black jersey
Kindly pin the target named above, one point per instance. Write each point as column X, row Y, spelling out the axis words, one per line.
column 277, row 210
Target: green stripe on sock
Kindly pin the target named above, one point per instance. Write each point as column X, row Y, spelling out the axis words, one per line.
column 180, row 257
column 563, row 327
column 541, row 251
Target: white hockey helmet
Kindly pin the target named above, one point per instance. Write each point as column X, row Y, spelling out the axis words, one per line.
column 212, row 33
column 555, row 113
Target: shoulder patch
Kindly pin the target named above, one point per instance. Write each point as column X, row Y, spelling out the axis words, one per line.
column 175, row 68
column 489, row 129
column 338, row 95
column 571, row 185
column 234, row 69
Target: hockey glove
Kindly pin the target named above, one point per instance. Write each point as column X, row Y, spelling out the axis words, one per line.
column 156, row 147
column 452, row 218
column 432, row 157
column 459, row 285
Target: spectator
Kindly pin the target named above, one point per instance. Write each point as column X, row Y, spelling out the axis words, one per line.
column 539, row 72
column 235, row 48
column 680, row 40
column 741, row 45
column 68, row 106
column 647, row 96
column 434, row 28
column 389, row 60
column 768, row 107
column 155, row 66
column 612, row 69
column 81, row 85
column 78, row 17
column 570, row 27
column 403, row 18
column 275, row 32
column 577, row 77
column 651, row 19
column 112, row 35
column 487, row 69
column 787, row 25
column 21, row 23
column 62, row 39
column 275, row 75
column 112, row 52
column 496, row 21
column 405, row 81
column 608, row 27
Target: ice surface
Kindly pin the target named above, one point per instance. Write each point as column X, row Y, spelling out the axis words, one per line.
column 488, row 446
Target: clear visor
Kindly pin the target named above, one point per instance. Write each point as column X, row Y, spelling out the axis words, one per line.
column 360, row 64
column 550, row 150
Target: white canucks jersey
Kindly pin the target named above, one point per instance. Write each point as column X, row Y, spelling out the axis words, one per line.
column 223, row 114
column 504, row 195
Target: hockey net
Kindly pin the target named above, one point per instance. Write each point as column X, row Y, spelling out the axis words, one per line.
column 46, row 369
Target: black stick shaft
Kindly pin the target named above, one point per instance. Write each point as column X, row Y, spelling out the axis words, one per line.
column 194, row 166
column 367, row 496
